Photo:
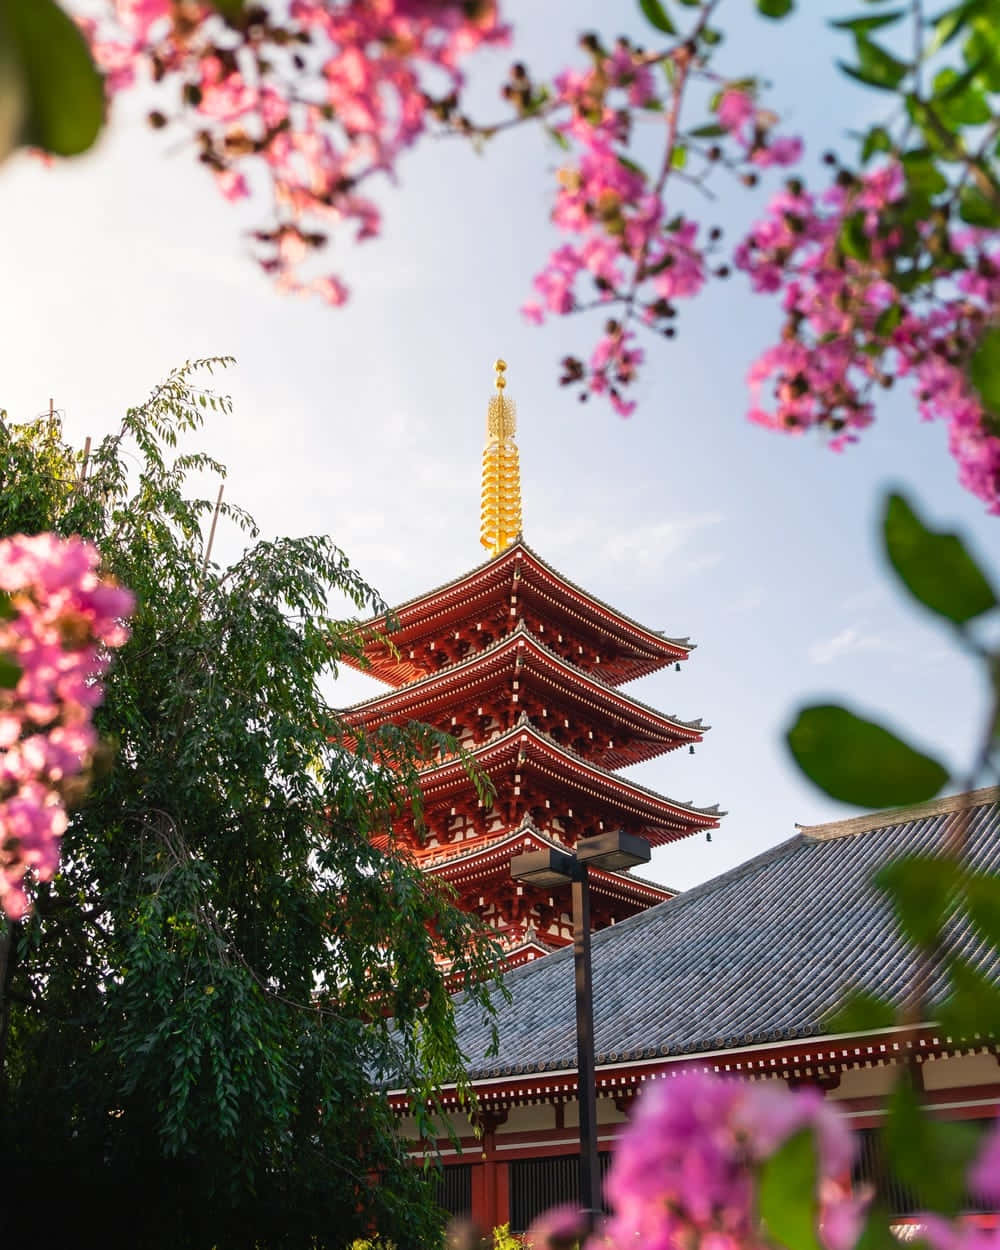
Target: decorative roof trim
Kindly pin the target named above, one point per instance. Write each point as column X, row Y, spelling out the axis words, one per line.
column 493, row 850
column 511, row 555
column 511, row 641
column 526, row 728
column 834, row 1049
column 899, row 816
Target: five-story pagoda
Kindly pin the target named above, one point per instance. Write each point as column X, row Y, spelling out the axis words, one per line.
column 526, row 670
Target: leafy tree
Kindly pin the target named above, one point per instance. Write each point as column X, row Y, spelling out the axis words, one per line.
column 199, row 1011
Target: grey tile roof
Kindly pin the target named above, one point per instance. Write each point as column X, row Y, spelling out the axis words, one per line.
column 760, row 954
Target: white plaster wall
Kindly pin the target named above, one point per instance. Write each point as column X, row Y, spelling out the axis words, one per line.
column 524, row 1119
column 982, row 1069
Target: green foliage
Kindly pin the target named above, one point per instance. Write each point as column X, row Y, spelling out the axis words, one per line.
column 876, row 67
column 913, row 1138
column 972, row 1007
column 48, row 78
column 984, row 369
column 775, row 8
column 788, row 1197
column 231, row 10
column 935, row 567
column 861, row 1013
column 860, row 762
column 10, row 673
column 657, row 16
column 504, row 1239
column 206, row 999
column 922, row 888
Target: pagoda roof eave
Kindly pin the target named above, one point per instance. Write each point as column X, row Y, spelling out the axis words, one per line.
column 410, row 609
column 501, row 850
column 689, row 730
column 524, row 730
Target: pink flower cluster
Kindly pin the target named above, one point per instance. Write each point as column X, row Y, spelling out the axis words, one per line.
column 752, row 128
column 314, row 97
column 623, row 241
column 626, row 247
column 849, row 330
column 57, row 622
column 685, row 1171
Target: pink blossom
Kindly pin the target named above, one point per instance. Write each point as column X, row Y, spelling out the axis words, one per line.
column 984, row 1177
column 377, row 60
column 232, row 184
column 560, row 1228
column 785, row 150
column 735, row 108
column 63, row 621
column 837, row 346
column 685, row 1170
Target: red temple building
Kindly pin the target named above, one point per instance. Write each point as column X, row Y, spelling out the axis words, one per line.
column 526, row 670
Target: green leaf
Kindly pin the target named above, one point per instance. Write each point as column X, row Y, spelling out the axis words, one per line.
column 972, row 1009
column 947, row 25
column 775, row 8
column 679, row 156
column 923, row 889
column 231, row 10
column 982, row 898
column 888, row 319
column 657, row 16
column 877, row 139
column 984, row 369
column 10, row 673
column 913, row 1138
column 861, row 1012
column 923, row 178
column 63, row 92
column 875, row 60
column 870, row 78
column 861, row 25
column 787, row 1193
column 978, row 209
column 935, row 566
column 859, row 762
column 958, row 100
column 852, row 240
column 711, row 130
column 7, row 610
column 877, row 1233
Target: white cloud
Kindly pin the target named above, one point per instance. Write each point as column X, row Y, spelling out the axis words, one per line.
column 849, row 641
column 648, row 546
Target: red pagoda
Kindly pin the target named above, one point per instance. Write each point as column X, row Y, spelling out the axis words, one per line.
column 525, row 669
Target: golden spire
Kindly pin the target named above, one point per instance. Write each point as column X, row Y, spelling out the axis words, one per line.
column 501, row 515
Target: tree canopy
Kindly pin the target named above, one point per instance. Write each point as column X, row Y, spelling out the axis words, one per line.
column 197, row 1016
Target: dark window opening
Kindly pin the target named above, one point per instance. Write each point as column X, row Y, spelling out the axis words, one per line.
column 538, row 1184
column 870, row 1169
column 454, row 1190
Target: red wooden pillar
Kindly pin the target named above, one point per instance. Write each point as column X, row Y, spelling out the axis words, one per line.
column 490, row 1186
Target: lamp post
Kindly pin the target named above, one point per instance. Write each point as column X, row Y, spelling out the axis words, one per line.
column 550, row 869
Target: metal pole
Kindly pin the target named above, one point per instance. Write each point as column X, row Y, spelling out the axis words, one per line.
column 590, row 1173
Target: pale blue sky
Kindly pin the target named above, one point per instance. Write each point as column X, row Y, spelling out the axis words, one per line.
column 367, row 423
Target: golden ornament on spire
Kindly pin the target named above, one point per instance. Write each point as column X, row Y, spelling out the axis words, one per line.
column 501, row 509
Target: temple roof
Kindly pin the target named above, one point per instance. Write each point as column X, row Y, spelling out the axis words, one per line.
column 414, row 700
column 666, row 819
column 761, row 954
column 492, row 858
column 516, row 570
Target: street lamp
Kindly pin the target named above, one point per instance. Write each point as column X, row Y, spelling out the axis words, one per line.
column 549, row 869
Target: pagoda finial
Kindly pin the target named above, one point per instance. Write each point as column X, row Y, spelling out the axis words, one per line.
column 501, row 508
